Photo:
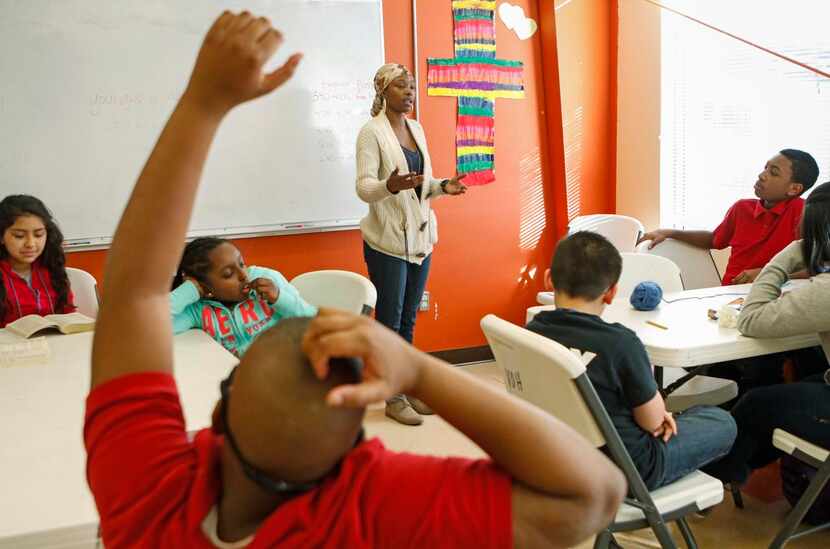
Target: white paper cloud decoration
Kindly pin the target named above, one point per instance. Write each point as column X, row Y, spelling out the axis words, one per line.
column 514, row 18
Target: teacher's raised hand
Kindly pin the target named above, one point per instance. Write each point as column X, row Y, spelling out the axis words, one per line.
column 454, row 185
column 397, row 183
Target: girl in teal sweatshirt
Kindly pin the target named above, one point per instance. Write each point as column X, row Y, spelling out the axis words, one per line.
column 214, row 291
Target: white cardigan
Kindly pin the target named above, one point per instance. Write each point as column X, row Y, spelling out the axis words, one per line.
column 398, row 224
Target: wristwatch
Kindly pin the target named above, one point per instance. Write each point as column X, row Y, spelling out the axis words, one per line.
column 444, row 185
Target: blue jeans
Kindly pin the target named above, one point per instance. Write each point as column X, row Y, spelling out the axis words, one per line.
column 704, row 434
column 400, row 285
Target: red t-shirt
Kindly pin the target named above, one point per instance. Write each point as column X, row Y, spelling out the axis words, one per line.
column 153, row 488
column 756, row 234
column 39, row 298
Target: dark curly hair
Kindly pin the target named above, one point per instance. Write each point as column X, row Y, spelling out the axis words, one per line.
column 195, row 262
column 815, row 230
column 52, row 258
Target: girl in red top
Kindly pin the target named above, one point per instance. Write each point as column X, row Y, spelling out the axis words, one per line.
column 32, row 275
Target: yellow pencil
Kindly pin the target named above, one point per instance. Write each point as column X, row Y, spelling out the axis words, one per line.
column 657, row 325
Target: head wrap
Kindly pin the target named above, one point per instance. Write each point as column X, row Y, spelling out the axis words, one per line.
column 385, row 75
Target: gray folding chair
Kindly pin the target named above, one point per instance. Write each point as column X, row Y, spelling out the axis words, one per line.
column 553, row 378
column 815, row 456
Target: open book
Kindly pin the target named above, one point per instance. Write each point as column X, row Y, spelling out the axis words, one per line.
column 70, row 323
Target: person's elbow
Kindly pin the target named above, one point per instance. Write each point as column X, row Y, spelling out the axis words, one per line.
column 649, row 416
column 370, row 189
column 598, row 504
column 744, row 325
column 606, row 494
column 362, row 192
column 749, row 325
column 569, row 522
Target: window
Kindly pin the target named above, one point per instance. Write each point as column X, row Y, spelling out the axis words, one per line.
column 727, row 107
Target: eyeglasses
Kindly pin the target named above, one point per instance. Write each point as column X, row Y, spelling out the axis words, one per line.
column 255, row 474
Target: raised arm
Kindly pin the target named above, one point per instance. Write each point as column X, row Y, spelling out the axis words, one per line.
column 564, row 489
column 134, row 331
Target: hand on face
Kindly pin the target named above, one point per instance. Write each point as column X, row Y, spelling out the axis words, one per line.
column 390, row 364
column 229, row 68
column 265, row 289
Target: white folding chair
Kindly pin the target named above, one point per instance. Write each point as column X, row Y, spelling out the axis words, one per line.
column 815, row 456
column 85, row 289
column 621, row 230
column 721, row 259
column 697, row 267
column 553, row 378
column 337, row 289
column 638, row 268
column 535, row 310
column 544, row 298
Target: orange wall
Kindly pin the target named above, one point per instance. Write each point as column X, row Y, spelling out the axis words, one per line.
column 587, row 51
column 496, row 241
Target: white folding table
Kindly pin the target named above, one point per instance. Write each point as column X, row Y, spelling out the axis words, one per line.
column 44, row 497
column 691, row 338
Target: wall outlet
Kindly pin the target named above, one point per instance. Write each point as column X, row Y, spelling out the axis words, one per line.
column 424, row 306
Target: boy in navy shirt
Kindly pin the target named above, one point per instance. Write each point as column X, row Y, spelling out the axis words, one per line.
column 584, row 274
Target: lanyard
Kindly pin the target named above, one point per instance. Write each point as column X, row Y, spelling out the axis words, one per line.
column 34, row 291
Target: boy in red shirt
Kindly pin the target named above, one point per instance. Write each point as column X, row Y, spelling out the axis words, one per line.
column 285, row 463
column 757, row 229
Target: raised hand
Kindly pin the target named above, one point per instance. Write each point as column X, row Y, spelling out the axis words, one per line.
column 229, row 68
column 228, row 71
column 397, row 183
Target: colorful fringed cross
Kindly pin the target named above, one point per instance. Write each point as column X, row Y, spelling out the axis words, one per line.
column 477, row 78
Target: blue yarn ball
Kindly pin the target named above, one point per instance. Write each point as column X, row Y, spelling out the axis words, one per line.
column 646, row 296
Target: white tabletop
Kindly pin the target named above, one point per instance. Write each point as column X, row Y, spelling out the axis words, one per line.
column 42, row 458
column 692, row 339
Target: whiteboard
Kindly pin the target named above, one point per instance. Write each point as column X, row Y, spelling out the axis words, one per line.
column 87, row 85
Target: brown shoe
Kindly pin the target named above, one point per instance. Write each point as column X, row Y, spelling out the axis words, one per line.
column 419, row 406
column 400, row 410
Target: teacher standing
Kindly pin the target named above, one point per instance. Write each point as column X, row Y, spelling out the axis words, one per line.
column 394, row 176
